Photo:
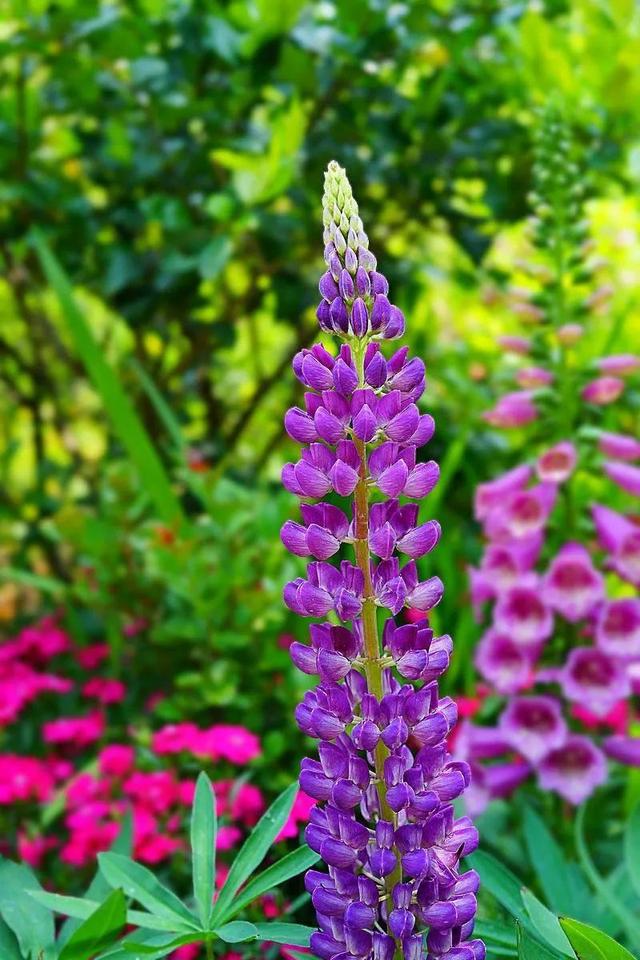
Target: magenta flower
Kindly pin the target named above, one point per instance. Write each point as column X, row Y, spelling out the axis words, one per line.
column 491, row 494
column 573, row 770
column 619, row 446
column 533, row 726
column 569, row 333
column 521, row 613
column 619, row 364
column 523, row 513
column 624, row 476
column 557, row 464
column 530, row 378
column 624, row 749
column 77, row 732
column 603, row 390
column 513, row 410
column 592, row 678
column 507, row 665
column 621, row 538
column 515, row 344
column 618, row 628
column 572, row 586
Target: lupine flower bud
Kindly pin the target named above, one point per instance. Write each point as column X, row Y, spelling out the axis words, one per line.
column 384, row 824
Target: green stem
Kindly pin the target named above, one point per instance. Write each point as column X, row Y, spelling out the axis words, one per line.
column 209, row 949
column 372, row 653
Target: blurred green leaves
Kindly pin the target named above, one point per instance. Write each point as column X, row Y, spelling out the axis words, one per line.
column 257, row 179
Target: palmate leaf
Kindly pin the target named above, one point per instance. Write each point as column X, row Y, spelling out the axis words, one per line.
column 141, row 946
column 79, row 908
column 31, row 922
column 124, row 420
column 99, row 930
column 294, row 933
column 592, row 944
column 289, row 866
column 203, row 847
column 142, row 885
column 237, row 931
column 254, row 849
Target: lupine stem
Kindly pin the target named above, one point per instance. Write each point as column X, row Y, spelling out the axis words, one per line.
column 372, row 660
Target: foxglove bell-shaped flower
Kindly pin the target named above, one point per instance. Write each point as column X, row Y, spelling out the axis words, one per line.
column 572, row 586
column 533, row 726
column 624, row 476
column 573, row 770
column 620, row 446
column 384, row 824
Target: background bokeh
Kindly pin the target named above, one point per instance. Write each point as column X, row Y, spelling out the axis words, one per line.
column 171, row 155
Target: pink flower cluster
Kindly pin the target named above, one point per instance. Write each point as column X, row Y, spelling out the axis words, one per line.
column 219, row 742
column 124, row 774
column 563, row 645
column 21, row 679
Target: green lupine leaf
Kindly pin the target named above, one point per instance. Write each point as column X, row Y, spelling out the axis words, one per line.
column 137, row 946
column 99, row 930
column 294, row 933
column 592, row 944
column 289, row 866
column 80, row 909
column 203, row 841
column 255, row 848
column 237, row 931
column 141, row 884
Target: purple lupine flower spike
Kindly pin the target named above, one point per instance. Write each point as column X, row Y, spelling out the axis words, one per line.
column 384, row 780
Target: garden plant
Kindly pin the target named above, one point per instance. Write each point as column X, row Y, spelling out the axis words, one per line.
column 254, row 703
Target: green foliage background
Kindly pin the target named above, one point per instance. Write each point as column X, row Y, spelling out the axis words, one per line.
column 170, row 154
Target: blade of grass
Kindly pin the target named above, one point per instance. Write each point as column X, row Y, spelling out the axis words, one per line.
column 160, row 405
column 118, row 407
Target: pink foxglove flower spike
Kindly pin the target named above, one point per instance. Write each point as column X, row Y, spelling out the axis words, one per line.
column 562, row 645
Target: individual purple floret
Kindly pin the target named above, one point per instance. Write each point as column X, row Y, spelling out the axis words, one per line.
column 384, row 780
